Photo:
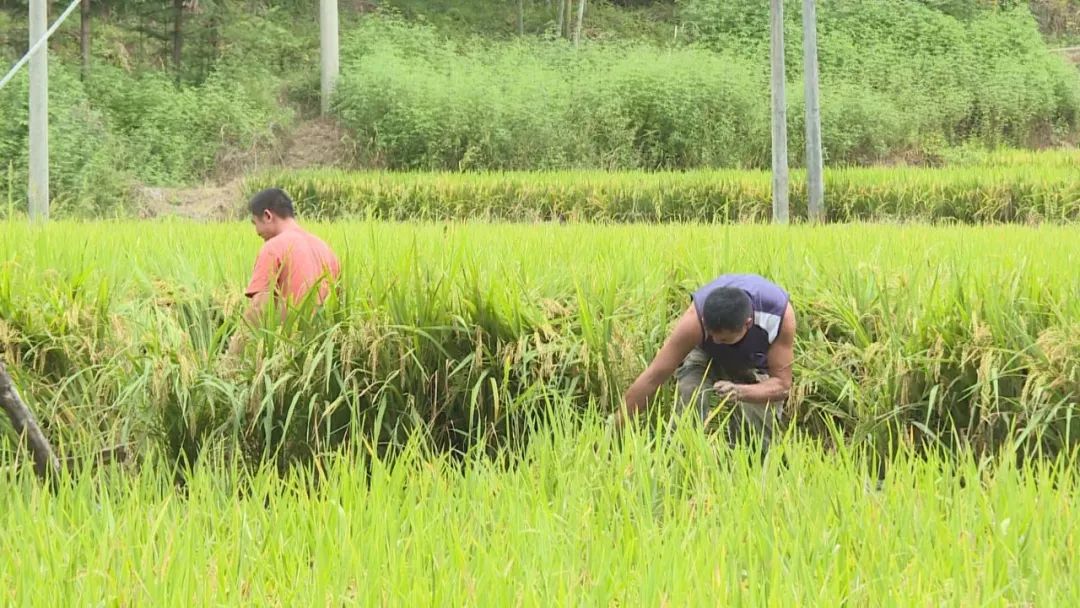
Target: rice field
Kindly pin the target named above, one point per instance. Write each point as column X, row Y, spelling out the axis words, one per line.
column 943, row 335
column 437, row 435
column 1024, row 188
column 578, row 519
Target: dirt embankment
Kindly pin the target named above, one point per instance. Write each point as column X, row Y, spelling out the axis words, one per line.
column 313, row 143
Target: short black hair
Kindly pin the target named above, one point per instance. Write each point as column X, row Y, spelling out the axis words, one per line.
column 726, row 309
column 274, row 200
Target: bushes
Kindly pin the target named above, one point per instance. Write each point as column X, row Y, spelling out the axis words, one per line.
column 123, row 126
column 686, row 108
column 119, row 128
column 85, row 177
column 917, row 74
column 421, row 103
column 899, row 77
column 175, row 135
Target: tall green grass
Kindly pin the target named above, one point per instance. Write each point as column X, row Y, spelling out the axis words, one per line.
column 899, row 80
column 912, row 72
column 469, row 333
column 578, row 518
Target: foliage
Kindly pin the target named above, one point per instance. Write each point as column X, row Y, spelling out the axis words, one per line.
column 909, row 86
column 86, row 178
column 901, row 74
column 128, row 122
column 175, row 135
column 903, row 80
column 420, row 102
column 604, row 20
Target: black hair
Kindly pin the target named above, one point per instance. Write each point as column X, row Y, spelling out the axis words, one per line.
column 274, row 200
column 726, row 309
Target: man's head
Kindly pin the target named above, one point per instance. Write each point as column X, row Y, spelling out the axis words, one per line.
column 271, row 212
column 727, row 314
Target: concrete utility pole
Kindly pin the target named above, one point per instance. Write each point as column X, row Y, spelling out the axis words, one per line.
column 580, row 18
column 84, row 38
column 779, row 118
column 39, row 115
column 815, row 183
column 328, row 47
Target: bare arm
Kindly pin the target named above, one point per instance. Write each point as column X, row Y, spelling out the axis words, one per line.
column 781, row 357
column 683, row 339
column 258, row 304
column 263, row 280
column 259, row 290
column 253, row 315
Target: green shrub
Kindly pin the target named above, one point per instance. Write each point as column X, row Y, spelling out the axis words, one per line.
column 130, row 122
column 176, row 135
column 904, row 74
column 421, row 103
column 898, row 78
column 86, row 176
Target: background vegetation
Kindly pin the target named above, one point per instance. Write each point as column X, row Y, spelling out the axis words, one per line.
column 175, row 93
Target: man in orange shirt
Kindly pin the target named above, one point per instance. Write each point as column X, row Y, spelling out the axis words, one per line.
column 291, row 262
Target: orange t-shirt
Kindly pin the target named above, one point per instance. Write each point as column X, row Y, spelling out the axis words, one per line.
column 291, row 263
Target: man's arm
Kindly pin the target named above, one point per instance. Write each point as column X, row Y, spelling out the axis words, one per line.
column 683, row 339
column 256, row 308
column 781, row 357
column 261, row 287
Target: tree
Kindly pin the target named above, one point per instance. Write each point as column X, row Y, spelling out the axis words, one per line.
column 580, row 18
column 177, row 36
column 84, row 37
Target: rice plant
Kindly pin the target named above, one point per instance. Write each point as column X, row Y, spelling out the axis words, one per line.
column 1006, row 188
column 934, row 337
column 579, row 517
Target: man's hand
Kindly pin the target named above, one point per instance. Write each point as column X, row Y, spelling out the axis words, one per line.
column 683, row 338
column 236, row 344
column 781, row 358
column 724, row 388
column 254, row 314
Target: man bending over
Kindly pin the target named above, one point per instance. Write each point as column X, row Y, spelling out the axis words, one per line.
column 734, row 344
